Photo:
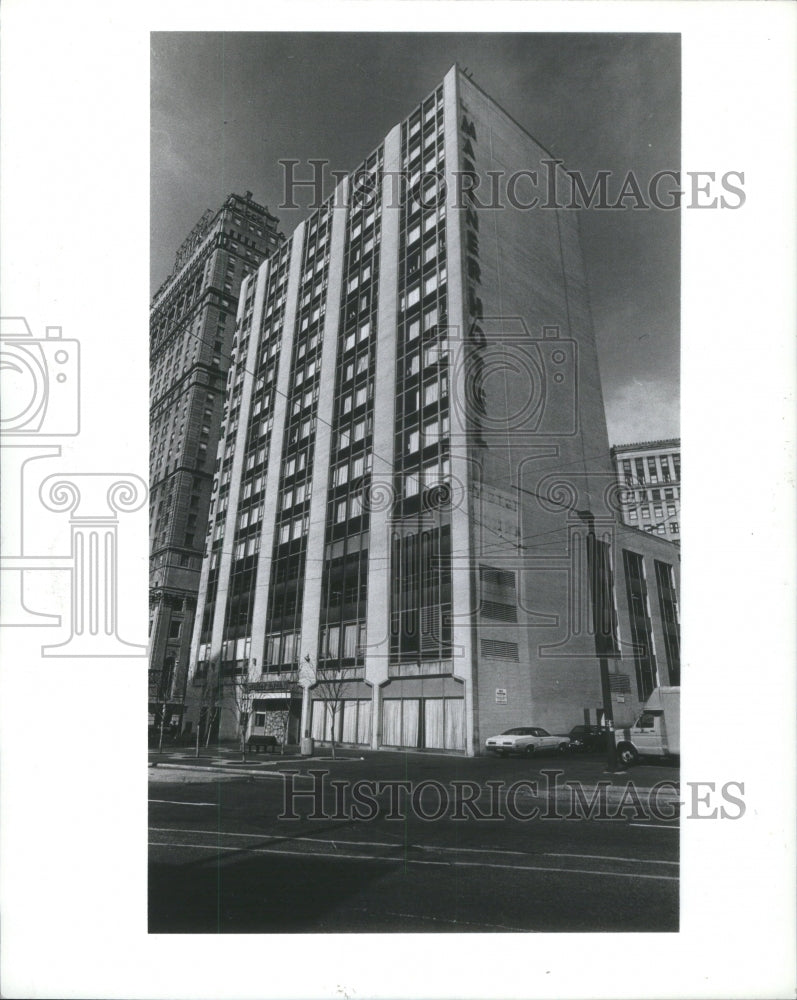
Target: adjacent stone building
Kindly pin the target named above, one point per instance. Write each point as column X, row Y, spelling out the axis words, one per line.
column 650, row 473
column 192, row 321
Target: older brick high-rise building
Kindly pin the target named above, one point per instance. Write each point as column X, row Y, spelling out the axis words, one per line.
column 192, row 320
column 414, row 486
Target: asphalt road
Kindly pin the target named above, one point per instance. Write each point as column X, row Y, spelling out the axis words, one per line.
column 448, row 844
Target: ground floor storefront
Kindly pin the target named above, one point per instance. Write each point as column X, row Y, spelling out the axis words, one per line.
column 405, row 723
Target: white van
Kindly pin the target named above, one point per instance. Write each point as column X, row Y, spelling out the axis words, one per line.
column 657, row 731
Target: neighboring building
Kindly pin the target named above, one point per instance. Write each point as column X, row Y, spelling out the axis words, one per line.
column 192, row 319
column 414, row 462
column 650, row 474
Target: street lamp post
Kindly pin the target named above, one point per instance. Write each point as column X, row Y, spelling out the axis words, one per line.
column 307, row 677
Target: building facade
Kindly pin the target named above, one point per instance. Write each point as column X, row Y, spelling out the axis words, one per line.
column 192, row 321
column 414, row 534
column 650, row 473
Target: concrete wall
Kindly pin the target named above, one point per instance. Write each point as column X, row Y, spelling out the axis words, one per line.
column 542, row 441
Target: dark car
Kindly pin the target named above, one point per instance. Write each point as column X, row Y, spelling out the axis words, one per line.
column 588, row 739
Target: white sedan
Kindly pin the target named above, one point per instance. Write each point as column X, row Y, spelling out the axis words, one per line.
column 526, row 740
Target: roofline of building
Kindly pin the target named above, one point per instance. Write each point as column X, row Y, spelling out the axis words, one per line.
column 514, row 120
column 639, row 445
column 248, row 197
column 231, row 198
column 660, row 539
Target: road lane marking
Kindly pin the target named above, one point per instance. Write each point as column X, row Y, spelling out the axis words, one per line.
column 416, row 861
column 446, row 920
column 177, row 802
column 609, row 857
column 355, row 843
column 284, row 837
column 471, row 850
column 442, row 848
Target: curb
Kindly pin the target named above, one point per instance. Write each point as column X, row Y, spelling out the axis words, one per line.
column 224, row 767
column 560, row 790
column 213, row 770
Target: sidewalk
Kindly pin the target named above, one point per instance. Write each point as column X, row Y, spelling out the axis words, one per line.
column 225, row 760
column 585, row 771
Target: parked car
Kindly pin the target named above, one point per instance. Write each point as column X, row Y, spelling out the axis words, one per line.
column 587, row 739
column 526, row 740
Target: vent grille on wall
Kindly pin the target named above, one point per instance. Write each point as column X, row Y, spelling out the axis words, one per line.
column 498, row 650
column 491, row 576
column 499, row 612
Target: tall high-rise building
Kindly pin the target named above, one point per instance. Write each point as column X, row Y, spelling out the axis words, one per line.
column 192, row 320
column 414, row 533
column 650, row 473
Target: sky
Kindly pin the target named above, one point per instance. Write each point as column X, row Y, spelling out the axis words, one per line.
column 227, row 107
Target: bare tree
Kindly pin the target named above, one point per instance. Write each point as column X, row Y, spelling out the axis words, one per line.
column 331, row 681
column 159, row 699
column 208, row 708
column 161, row 683
column 241, row 690
column 164, row 706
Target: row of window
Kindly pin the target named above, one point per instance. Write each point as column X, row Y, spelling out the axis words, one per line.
column 431, row 432
column 248, row 547
column 420, row 290
column 652, row 496
column 653, row 469
column 661, row 529
column 344, row 583
column 259, row 428
column 646, row 513
column 284, row 606
column 282, row 648
column 421, row 413
column 351, row 469
column 346, row 641
column 291, row 530
column 431, row 474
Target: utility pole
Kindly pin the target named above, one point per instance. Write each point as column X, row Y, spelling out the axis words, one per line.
column 604, row 634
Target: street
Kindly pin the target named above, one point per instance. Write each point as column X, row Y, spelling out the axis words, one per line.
column 443, row 844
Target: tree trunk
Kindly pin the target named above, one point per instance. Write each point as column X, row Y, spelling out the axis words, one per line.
column 211, row 721
column 160, row 734
column 285, row 726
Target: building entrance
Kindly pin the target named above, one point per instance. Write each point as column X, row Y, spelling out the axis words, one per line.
column 278, row 717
